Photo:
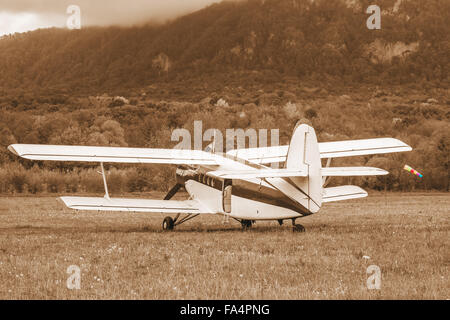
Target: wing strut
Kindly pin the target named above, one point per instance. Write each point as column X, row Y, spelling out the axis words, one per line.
column 104, row 181
column 326, row 180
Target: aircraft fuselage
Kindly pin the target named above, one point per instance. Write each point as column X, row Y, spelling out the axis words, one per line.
column 249, row 199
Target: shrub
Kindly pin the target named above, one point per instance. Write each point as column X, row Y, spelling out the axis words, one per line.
column 310, row 113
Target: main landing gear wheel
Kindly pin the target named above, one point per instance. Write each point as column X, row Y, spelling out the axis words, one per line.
column 297, row 227
column 246, row 224
column 168, row 223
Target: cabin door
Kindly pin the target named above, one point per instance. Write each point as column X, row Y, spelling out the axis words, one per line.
column 226, row 196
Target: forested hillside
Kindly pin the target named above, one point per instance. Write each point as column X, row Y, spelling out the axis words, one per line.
column 321, row 39
column 249, row 64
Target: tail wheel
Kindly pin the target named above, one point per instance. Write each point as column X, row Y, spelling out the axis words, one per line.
column 168, row 223
column 246, row 224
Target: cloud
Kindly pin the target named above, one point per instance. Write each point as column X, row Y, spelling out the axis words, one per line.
column 25, row 21
column 23, row 15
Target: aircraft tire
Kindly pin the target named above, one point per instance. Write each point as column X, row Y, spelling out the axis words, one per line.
column 167, row 224
column 246, row 224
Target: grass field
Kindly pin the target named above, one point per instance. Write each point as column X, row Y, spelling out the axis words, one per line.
column 127, row 256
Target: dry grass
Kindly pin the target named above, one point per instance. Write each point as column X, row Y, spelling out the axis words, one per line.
column 126, row 256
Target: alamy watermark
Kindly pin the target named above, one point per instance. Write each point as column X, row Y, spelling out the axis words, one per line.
column 74, row 20
column 374, row 21
column 74, row 279
column 374, row 280
column 234, row 139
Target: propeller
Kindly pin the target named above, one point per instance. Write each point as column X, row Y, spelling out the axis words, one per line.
column 173, row 191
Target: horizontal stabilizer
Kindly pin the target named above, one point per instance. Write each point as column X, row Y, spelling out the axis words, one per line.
column 342, row 193
column 352, row 171
column 133, row 205
column 112, row 154
column 258, row 173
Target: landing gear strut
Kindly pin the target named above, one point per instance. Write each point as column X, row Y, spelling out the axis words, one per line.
column 246, row 224
column 168, row 222
column 297, row 227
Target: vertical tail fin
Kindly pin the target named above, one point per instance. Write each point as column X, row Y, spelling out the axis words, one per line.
column 304, row 153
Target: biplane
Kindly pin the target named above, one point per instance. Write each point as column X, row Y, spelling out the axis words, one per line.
column 239, row 184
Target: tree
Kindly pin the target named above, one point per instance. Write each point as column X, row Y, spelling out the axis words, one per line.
column 6, row 139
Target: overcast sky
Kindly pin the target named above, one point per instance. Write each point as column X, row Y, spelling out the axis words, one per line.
column 25, row 15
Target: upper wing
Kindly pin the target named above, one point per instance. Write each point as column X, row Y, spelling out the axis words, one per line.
column 112, row 154
column 334, row 149
column 134, row 205
column 350, row 148
column 262, row 155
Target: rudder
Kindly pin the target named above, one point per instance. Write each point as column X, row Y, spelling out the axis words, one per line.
column 304, row 154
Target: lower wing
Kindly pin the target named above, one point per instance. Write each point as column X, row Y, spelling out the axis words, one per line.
column 352, row 171
column 259, row 173
column 112, row 154
column 134, row 205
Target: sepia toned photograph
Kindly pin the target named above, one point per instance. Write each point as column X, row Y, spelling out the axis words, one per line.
column 224, row 150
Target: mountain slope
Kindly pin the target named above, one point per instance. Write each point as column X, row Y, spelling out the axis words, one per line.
column 302, row 38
